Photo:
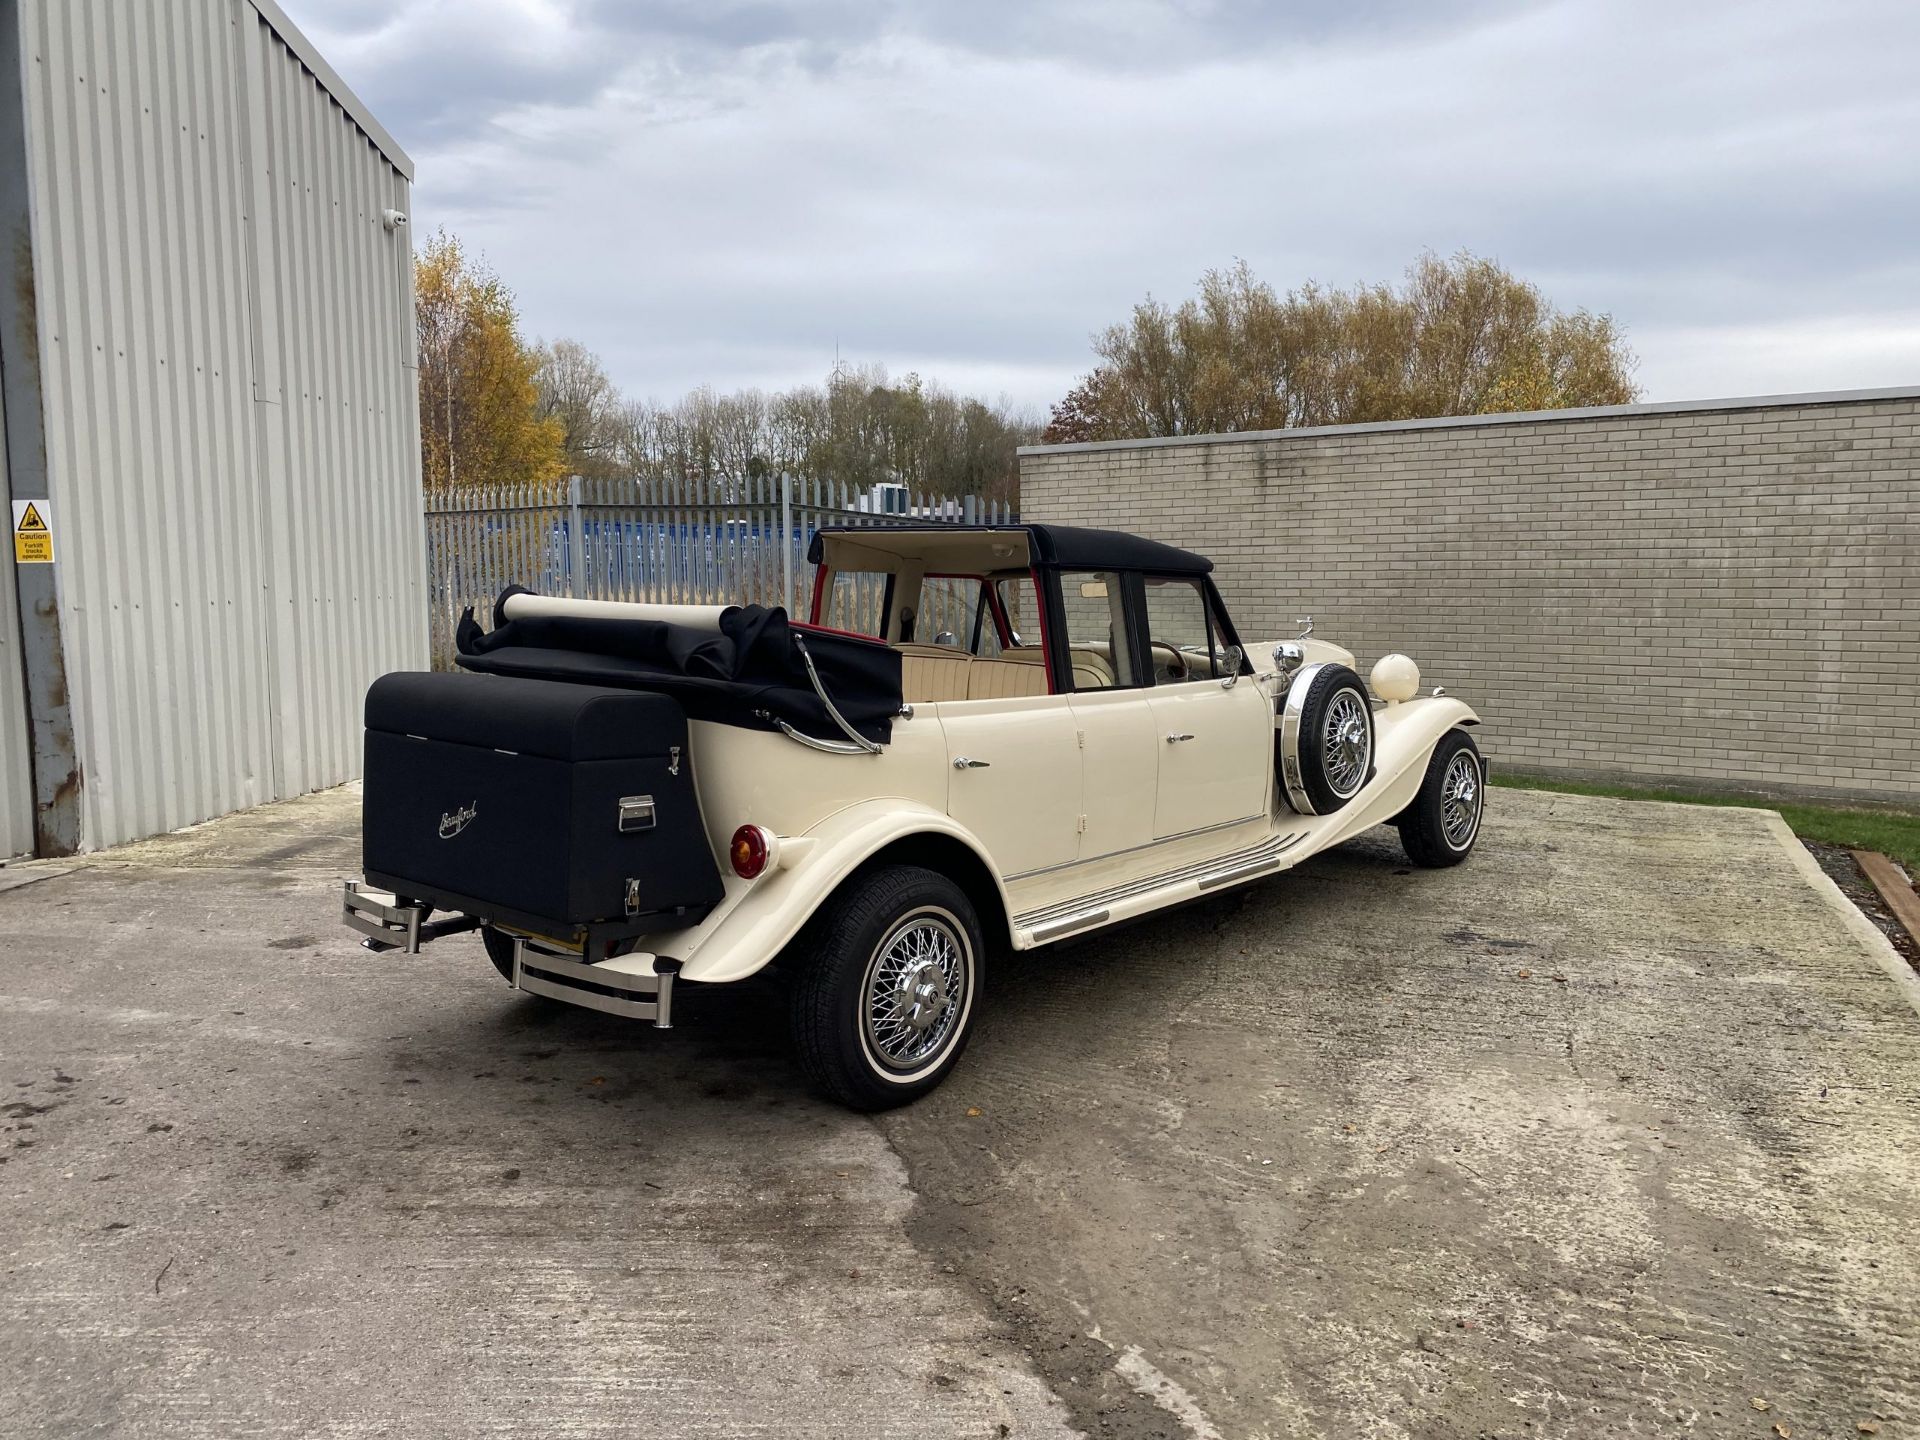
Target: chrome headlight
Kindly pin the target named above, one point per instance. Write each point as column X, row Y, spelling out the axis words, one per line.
column 1288, row 657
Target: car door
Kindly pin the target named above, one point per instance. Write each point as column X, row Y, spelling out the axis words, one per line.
column 1014, row 779
column 1118, row 755
column 1215, row 741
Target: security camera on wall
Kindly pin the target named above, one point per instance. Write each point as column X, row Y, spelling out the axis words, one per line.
column 392, row 219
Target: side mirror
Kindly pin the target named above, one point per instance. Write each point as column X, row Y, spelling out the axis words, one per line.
column 1233, row 660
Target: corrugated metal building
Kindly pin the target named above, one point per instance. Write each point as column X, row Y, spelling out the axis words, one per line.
column 208, row 370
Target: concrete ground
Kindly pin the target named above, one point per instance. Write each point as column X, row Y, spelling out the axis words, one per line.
column 1609, row 1131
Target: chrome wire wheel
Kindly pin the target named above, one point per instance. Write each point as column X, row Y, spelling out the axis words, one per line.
column 918, row 988
column 1346, row 740
column 1460, row 800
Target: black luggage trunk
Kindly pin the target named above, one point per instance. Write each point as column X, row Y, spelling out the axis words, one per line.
column 551, row 806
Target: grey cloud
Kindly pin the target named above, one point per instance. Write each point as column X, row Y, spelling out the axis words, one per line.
column 714, row 193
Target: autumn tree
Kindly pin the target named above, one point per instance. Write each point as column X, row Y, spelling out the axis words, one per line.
column 480, row 416
column 1457, row 337
column 572, row 387
column 859, row 429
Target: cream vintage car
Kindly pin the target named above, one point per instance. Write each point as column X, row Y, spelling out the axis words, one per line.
column 985, row 737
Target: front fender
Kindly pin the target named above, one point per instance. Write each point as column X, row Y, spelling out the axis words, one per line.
column 1403, row 739
column 758, row 917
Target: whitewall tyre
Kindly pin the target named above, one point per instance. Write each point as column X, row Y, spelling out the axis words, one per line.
column 888, row 981
column 1440, row 826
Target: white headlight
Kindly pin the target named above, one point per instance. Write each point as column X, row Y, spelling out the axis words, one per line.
column 1394, row 678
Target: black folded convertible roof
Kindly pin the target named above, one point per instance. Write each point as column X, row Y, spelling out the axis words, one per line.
column 1052, row 547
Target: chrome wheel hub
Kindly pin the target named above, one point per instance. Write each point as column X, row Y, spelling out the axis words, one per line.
column 1348, row 743
column 916, row 985
column 1460, row 800
column 921, row 998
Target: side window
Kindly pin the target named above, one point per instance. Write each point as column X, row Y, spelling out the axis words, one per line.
column 1181, row 642
column 1020, row 603
column 856, row 600
column 954, row 611
column 1096, row 638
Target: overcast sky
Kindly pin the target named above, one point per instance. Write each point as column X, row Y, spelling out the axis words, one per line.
column 710, row 192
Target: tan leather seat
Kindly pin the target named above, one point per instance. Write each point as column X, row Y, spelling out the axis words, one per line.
column 1005, row 679
column 930, row 673
column 1091, row 670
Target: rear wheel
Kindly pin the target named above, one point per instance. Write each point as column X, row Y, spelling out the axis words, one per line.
column 888, row 973
column 1443, row 821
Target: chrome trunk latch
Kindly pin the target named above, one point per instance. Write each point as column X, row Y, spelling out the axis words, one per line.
column 673, row 760
column 636, row 813
column 633, row 897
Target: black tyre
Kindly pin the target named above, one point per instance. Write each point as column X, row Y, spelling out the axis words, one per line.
column 1326, row 739
column 888, row 974
column 1443, row 821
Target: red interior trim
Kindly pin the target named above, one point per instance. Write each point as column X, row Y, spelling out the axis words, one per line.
column 819, row 592
column 829, row 630
column 1046, row 643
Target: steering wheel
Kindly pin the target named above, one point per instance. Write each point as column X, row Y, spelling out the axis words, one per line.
column 1178, row 667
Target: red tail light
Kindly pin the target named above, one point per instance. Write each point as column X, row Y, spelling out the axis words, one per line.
column 749, row 851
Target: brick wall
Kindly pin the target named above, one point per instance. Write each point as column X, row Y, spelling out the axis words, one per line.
column 1724, row 594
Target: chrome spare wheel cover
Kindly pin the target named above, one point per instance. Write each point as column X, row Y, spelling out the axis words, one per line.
column 1290, row 717
column 1460, row 800
column 918, row 984
column 1346, row 740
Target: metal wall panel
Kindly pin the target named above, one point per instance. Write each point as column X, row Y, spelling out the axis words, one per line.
column 16, row 778
column 225, row 329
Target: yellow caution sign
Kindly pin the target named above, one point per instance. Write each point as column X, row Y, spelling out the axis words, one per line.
column 32, row 533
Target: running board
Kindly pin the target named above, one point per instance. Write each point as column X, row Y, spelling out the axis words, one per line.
column 1138, row 897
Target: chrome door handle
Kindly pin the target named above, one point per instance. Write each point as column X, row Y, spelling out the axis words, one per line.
column 1176, row 739
column 961, row 762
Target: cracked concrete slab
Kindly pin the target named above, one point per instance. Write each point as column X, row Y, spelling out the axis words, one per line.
column 1610, row 1129
column 258, row 1181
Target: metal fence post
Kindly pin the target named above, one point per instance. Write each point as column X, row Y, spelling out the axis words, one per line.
column 576, row 542
column 786, row 539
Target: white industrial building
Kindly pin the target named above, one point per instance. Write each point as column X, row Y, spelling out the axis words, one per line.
column 208, row 372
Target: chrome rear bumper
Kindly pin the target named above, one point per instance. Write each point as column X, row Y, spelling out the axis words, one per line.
column 540, row 971
column 389, row 923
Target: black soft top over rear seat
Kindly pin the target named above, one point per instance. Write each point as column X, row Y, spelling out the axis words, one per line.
column 751, row 673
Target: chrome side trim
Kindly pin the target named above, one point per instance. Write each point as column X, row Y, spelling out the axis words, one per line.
column 833, row 711
column 1084, row 920
column 1239, row 872
column 1133, row 849
column 831, row 747
column 1264, row 856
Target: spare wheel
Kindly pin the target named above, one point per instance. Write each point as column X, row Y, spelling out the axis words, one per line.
column 1326, row 739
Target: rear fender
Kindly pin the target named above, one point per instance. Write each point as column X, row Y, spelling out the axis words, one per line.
column 758, row 917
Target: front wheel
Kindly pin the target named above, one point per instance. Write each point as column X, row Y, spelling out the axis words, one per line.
column 1443, row 821
column 889, row 974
